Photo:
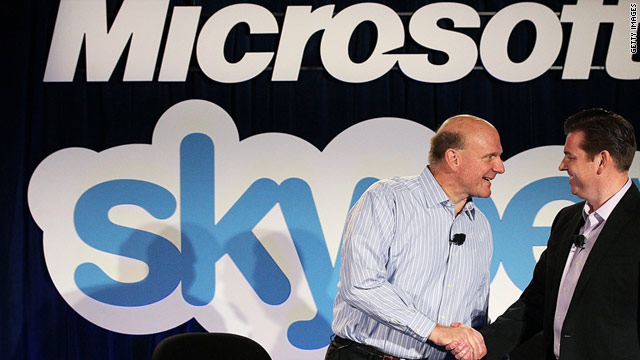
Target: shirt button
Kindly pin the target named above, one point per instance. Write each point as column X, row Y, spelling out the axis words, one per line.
column 449, row 285
column 443, row 317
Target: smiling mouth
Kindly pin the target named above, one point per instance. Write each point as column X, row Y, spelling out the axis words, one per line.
column 486, row 179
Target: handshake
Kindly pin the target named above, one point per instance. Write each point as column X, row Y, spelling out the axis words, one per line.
column 462, row 341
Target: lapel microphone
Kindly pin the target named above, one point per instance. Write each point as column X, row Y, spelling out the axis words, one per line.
column 578, row 241
column 458, row 239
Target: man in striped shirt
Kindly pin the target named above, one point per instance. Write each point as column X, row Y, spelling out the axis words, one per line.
column 416, row 254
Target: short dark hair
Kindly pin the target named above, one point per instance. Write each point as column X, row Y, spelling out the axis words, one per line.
column 442, row 141
column 604, row 130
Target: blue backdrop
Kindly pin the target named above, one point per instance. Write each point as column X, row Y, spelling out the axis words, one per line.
column 44, row 117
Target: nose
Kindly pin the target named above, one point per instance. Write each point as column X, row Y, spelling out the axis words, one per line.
column 562, row 166
column 499, row 166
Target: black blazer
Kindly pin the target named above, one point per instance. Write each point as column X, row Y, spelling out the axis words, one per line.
column 603, row 317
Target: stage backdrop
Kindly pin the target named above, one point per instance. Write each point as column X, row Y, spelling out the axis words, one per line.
column 179, row 166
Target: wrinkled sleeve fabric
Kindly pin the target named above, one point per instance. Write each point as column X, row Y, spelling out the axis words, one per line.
column 370, row 229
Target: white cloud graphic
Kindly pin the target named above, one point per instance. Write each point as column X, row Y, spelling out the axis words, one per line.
column 381, row 148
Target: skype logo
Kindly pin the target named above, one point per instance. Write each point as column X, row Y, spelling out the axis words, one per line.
column 244, row 235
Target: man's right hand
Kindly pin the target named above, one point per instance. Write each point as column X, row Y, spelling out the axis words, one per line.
column 464, row 342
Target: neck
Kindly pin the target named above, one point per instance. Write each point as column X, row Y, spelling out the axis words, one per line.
column 449, row 185
column 609, row 188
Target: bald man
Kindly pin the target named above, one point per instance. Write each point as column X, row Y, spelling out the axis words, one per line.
column 416, row 254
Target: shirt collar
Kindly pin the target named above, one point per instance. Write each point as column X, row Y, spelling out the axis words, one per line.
column 434, row 194
column 605, row 210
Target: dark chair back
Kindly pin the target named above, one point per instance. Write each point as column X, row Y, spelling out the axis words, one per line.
column 209, row 346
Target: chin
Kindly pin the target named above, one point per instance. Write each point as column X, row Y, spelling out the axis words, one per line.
column 483, row 194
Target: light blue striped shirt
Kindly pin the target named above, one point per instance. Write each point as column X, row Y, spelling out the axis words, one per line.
column 400, row 275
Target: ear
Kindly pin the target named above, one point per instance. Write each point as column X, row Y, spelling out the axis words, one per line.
column 603, row 160
column 452, row 157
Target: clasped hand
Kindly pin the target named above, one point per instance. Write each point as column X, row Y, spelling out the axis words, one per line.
column 462, row 341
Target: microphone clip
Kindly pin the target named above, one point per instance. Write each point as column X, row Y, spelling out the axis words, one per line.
column 458, row 239
column 578, row 241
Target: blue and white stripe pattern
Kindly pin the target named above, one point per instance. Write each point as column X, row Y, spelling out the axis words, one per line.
column 400, row 274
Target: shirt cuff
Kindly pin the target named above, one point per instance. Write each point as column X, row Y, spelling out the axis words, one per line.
column 421, row 326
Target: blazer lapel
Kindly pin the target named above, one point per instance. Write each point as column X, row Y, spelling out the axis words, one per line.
column 564, row 241
column 621, row 215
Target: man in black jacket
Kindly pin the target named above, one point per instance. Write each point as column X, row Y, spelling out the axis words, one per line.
column 585, row 288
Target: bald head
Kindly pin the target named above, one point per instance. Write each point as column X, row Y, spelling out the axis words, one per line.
column 453, row 133
column 465, row 158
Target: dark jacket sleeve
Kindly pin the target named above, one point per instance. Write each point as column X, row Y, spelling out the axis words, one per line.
column 521, row 320
column 524, row 318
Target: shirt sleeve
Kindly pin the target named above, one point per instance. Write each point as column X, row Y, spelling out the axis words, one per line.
column 368, row 234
